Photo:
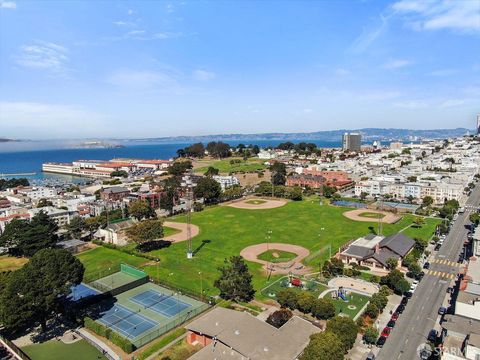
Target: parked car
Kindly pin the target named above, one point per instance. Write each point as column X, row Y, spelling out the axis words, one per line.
column 419, row 276
column 400, row 308
column 426, row 265
column 391, row 324
column 442, row 310
column 386, row 332
column 432, row 336
column 413, row 286
column 370, row 356
column 395, row 316
column 408, row 294
column 404, row 301
column 437, row 247
column 381, row 341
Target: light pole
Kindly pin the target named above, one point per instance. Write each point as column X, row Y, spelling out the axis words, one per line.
column 201, row 284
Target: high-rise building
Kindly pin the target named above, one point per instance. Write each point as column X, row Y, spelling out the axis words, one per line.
column 352, row 142
column 478, row 124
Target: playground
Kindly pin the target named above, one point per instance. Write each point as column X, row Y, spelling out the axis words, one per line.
column 347, row 302
column 372, row 216
column 257, row 203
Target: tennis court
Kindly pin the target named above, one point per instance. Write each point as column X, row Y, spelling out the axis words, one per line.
column 167, row 305
column 81, row 291
column 126, row 322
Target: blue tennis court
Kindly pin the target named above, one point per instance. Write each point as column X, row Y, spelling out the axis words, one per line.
column 126, row 322
column 167, row 305
column 81, row 291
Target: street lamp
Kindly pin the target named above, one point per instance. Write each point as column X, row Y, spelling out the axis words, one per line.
column 201, row 284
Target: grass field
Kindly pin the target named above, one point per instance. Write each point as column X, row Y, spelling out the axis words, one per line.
column 168, row 231
column 10, row 263
column 57, row 350
column 225, row 231
column 276, row 256
column 355, row 300
column 101, row 261
column 270, row 291
column 224, row 166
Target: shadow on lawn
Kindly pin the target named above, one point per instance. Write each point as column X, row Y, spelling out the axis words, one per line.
column 204, row 242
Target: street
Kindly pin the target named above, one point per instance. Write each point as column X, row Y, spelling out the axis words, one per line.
column 421, row 313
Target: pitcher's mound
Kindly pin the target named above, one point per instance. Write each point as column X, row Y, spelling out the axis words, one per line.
column 257, row 204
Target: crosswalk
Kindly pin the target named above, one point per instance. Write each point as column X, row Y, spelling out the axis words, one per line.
column 445, row 262
column 440, row 274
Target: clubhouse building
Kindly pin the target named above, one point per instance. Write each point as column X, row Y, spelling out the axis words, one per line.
column 230, row 334
column 373, row 251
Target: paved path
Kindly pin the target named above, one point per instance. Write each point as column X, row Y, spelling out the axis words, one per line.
column 182, row 235
column 421, row 313
column 358, row 285
column 388, row 218
column 251, row 253
column 266, row 204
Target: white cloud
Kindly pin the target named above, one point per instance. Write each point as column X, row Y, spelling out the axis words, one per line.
column 44, row 120
column 170, row 8
column 411, row 104
column 307, row 111
column 396, row 64
column 369, row 36
column 203, row 75
column 457, row 15
column 130, row 12
column 7, row 4
column 166, row 35
column 452, row 103
column 443, row 72
column 165, row 80
column 44, row 55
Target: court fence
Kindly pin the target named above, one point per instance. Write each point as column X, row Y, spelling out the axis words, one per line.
column 105, row 289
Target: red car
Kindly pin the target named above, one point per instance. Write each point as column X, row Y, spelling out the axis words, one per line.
column 395, row 316
column 386, row 332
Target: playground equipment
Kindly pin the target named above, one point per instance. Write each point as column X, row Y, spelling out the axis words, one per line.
column 340, row 293
column 294, row 281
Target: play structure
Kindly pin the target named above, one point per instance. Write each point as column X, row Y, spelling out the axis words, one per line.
column 341, row 293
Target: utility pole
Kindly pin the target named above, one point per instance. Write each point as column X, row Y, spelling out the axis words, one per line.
column 188, row 184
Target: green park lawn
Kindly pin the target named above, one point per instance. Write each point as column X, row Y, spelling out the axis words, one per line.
column 57, row 350
column 355, row 300
column 10, row 263
column 224, row 166
column 225, row 231
column 276, row 256
column 168, row 231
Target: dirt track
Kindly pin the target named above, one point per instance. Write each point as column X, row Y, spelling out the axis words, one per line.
column 251, row 253
column 389, row 218
column 267, row 204
column 182, row 235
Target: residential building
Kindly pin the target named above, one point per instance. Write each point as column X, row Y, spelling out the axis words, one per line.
column 114, row 193
column 226, row 181
column 351, row 142
column 115, row 232
column 374, row 251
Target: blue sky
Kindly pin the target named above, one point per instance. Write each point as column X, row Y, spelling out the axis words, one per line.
column 145, row 69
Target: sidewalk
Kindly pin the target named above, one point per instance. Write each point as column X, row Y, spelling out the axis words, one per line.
column 360, row 350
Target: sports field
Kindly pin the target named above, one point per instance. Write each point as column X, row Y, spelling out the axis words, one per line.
column 277, row 256
column 225, row 231
column 57, row 350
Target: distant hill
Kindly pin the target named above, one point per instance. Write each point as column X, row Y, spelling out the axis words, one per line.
column 6, row 140
column 368, row 134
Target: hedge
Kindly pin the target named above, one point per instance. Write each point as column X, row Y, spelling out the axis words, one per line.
column 102, row 330
column 124, row 250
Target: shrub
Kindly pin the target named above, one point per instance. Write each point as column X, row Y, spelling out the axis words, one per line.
column 115, row 338
column 323, row 309
column 371, row 334
column 345, row 328
column 371, row 310
column 287, row 298
column 305, row 302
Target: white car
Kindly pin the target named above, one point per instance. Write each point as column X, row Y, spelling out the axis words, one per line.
column 413, row 286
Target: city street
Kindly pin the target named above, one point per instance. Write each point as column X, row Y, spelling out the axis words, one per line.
column 421, row 313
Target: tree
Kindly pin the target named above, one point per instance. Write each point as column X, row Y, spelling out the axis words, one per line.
column 363, row 195
column 371, row 311
column 333, row 267
column 76, row 227
column 235, row 281
column 287, row 298
column 371, row 334
column 32, row 293
column 379, row 300
column 145, row 231
column 427, row 201
column 323, row 308
column 323, row 346
column 345, row 328
column 141, row 209
column 179, row 167
column 412, row 178
column 119, row 173
column 475, row 218
column 305, row 302
column 328, row 191
column 392, row 263
column 25, row 238
column 14, row 182
column 208, row 189
column 396, row 281
column 218, row 149
column 419, row 221
column 279, row 173
column 279, row 317
column 195, row 150
column 44, row 203
column 211, row 171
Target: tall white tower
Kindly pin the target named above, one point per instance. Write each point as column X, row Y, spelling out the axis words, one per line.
column 478, row 124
